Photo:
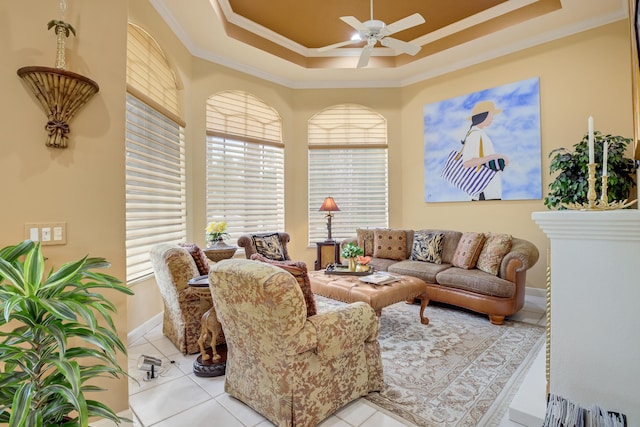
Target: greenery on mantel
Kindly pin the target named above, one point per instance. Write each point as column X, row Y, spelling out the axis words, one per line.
column 52, row 340
column 571, row 184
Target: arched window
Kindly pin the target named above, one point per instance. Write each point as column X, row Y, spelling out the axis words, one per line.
column 155, row 164
column 348, row 161
column 245, row 164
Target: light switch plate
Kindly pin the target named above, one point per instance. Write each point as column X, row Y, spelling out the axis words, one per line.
column 47, row 233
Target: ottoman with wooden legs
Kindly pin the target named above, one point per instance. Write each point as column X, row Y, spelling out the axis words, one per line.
column 347, row 288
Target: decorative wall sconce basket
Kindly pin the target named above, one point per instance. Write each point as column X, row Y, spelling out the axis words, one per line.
column 61, row 93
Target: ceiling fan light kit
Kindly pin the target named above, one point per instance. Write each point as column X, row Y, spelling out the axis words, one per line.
column 374, row 31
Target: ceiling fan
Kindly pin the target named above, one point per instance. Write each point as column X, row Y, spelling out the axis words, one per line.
column 374, row 31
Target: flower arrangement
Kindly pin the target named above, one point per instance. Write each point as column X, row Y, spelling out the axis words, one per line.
column 216, row 231
column 363, row 260
column 351, row 250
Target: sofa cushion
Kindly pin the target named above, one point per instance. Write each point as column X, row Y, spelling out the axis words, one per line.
column 496, row 246
column 468, row 250
column 198, row 256
column 427, row 247
column 390, row 244
column 476, row 281
column 298, row 269
column 365, row 240
column 269, row 246
column 426, row 271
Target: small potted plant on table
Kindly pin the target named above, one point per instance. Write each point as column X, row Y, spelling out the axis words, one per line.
column 350, row 251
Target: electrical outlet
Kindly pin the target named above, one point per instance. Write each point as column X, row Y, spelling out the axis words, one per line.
column 46, row 234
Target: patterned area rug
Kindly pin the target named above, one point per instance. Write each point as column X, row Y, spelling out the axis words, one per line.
column 460, row 370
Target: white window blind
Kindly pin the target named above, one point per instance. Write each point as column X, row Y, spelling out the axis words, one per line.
column 348, row 161
column 245, row 164
column 149, row 75
column 155, row 174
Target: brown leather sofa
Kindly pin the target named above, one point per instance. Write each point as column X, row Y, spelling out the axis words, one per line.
column 495, row 295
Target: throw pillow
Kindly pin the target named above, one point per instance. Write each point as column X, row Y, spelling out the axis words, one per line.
column 298, row 270
column 390, row 244
column 365, row 240
column 495, row 248
column 198, row 256
column 427, row 247
column 468, row 250
column 269, row 246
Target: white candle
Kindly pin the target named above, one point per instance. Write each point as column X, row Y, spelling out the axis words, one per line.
column 591, row 156
column 605, row 157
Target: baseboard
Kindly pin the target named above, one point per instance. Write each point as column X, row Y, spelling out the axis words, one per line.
column 141, row 330
column 535, row 292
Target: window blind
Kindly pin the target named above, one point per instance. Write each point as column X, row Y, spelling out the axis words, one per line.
column 149, row 74
column 155, row 164
column 347, row 161
column 245, row 164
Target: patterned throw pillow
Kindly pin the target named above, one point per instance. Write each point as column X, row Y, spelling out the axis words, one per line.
column 269, row 246
column 390, row 244
column 298, row 270
column 495, row 248
column 198, row 256
column 468, row 250
column 427, row 247
column 365, row 240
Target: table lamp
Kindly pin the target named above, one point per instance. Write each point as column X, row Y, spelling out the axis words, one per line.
column 328, row 206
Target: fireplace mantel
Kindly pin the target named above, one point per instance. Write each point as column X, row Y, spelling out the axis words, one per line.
column 595, row 307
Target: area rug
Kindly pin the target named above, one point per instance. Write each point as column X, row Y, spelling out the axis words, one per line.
column 460, row 370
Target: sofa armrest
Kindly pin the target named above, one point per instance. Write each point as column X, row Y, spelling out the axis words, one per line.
column 340, row 330
column 523, row 255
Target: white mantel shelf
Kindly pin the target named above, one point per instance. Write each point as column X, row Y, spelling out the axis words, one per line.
column 622, row 224
column 595, row 307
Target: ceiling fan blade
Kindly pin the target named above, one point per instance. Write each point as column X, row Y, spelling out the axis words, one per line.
column 403, row 24
column 337, row 45
column 355, row 23
column 364, row 56
column 402, row 46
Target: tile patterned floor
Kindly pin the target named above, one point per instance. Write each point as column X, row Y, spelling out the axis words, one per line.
column 178, row 398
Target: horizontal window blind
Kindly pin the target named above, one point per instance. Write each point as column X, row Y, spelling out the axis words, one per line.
column 148, row 70
column 245, row 164
column 155, row 154
column 347, row 161
column 155, row 185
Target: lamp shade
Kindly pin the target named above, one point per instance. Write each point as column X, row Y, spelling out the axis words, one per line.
column 329, row 205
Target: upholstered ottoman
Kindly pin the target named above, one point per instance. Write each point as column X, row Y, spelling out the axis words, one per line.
column 350, row 289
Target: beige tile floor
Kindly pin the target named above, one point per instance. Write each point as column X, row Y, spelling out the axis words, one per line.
column 178, row 398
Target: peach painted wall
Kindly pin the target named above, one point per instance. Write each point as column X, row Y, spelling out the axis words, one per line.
column 82, row 185
column 584, row 75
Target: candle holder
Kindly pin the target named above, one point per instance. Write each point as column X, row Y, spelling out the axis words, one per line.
column 600, row 205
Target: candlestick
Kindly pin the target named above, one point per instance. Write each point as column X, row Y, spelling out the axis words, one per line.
column 605, row 157
column 604, row 196
column 591, row 192
column 591, row 156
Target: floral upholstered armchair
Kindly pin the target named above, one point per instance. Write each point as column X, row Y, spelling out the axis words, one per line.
column 293, row 369
column 184, row 306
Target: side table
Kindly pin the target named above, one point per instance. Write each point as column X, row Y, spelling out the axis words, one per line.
column 219, row 251
column 328, row 252
column 210, row 367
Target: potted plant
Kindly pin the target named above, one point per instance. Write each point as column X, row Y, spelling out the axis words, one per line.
column 52, row 338
column 571, row 184
column 350, row 251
